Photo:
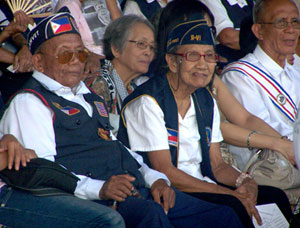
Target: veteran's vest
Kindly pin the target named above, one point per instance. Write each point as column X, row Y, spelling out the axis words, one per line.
column 148, row 9
column 158, row 88
column 236, row 15
column 83, row 143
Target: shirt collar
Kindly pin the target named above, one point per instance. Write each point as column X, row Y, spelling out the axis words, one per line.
column 56, row 87
column 269, row 64
column 241, row 3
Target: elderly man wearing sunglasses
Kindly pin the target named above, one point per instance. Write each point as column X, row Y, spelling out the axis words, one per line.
column 63, row 121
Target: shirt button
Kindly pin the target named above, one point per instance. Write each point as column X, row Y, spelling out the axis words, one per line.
column 78, row 122
column 88, row 174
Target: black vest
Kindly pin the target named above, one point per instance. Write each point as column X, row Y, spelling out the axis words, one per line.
column 236, row 15
column 148, row 9
column 82, row 142
column 158, row 88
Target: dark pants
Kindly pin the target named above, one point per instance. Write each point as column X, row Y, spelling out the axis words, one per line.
column 266, row 194
column 188, row 212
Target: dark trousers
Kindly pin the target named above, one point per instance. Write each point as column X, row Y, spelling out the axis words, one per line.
column 188, row 212
column 266, row 194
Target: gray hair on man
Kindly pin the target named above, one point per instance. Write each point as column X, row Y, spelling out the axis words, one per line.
column 259, row 6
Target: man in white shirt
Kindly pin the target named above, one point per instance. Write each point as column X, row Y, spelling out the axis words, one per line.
column 58, row 117
column 263, row 82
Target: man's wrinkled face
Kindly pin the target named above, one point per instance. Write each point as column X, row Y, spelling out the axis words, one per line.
column 279, row 41
column 67, row 74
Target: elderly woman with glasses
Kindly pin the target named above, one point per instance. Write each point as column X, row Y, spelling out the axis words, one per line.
column 129, row 48
column 174, row 122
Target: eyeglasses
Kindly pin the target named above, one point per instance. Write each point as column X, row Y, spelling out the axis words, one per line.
column 194, row 56
column 143, row 45
column 282, row 23
column 67, row 56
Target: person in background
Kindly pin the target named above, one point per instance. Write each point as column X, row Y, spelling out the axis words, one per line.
column 129, row 47
column 7, row 54
column 229, row 16
column 144, row 8
column 263, row 81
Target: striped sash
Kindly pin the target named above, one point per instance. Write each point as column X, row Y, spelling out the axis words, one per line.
column 279, row 97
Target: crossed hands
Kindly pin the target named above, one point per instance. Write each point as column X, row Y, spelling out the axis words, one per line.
column 119, row 187
column 247, row 194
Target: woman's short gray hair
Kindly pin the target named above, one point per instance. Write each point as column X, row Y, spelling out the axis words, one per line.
column 118, row 31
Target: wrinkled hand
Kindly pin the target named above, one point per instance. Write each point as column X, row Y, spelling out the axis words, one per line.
column 23, row 60
column 16, row 153
column 22, row 19
column 92, row 66
column 163, row 194
column 247, row 194
column 19, row 24
column 117, row 188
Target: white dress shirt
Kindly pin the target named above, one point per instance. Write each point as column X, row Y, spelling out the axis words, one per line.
column 255, row 99
column 297, row 62
column 297, row 139
column 30, row 121
column 147, row 132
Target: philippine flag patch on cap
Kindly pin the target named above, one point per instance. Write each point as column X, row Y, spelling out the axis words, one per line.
column 60, row 25
column 52, row 26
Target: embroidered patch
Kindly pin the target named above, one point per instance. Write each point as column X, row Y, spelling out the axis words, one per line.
column 172, row 137
column 101, row 108
column 60, row 25
column 104, row 134
column 281, row 99
column 67, row 110
column 208, row 135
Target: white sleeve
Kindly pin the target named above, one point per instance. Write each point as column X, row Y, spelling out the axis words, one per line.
column 145, row 125
column 246, row 92
column 150, row 175
column 222, row 19
column 131, row 7
column 30, row 121
column 216, row 131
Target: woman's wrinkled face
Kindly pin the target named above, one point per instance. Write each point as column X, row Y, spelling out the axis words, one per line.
column 138, row 51
column 194, row 74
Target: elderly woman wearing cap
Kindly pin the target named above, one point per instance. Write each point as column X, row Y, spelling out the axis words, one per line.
column 175, row 119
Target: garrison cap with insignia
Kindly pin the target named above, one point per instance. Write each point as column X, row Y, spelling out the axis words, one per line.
column 52, row 26
column 190, row 32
